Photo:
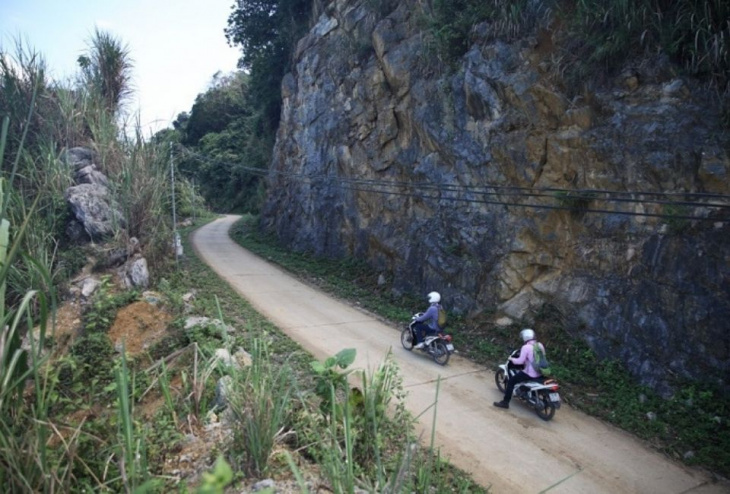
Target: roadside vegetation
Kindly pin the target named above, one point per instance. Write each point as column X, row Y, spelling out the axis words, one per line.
column 597, row 37
column 691, row 426
column 78, row 412
column 86, row 405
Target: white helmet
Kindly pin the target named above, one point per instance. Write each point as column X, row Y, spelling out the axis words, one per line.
column 434, row 298
column 527, row 334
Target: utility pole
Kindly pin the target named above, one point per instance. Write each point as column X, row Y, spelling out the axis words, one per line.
column 176, row 244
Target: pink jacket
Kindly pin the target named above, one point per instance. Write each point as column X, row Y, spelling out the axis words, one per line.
column 527, row 358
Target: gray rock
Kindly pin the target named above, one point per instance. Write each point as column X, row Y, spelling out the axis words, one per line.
column 135, row 274
column 222, row 390
column 453, row 153
column 193, row 321
column 92, row 207
column 78, row 158
column 89, row 286
column 91, row 175
column 264, row 484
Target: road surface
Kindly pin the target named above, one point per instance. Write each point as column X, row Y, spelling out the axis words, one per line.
column 513, row 451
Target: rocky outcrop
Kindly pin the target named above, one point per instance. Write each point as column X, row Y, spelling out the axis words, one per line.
column 97, row 217
column 504, row 190
column 92, row 206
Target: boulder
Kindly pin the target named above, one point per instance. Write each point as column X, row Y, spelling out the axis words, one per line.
column 93, row 208
column 135, row 274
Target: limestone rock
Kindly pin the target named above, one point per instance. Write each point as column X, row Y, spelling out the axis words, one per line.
column 475, row 170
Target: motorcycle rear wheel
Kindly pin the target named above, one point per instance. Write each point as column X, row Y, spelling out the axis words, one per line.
column 548, row 407
column 406, row 339
column 440, row 353
column 501, row 379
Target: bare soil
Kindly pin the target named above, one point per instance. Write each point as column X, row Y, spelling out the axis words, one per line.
column 509, row 450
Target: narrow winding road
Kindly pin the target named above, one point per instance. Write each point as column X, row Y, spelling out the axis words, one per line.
column 513, row 451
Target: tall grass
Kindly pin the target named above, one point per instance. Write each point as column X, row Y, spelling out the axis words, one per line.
column 260, row 399
column 132, row 453
column 367, row 443
column 452, row 22
column 26, row 463
column 695, row 33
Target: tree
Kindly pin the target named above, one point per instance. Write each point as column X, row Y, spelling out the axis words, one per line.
column 214, row 110
column 267, row 30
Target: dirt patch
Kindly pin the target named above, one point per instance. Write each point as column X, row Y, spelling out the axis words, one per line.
column 66, row 327
column 139, row 326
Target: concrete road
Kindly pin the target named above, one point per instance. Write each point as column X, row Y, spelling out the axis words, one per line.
column 513, row 451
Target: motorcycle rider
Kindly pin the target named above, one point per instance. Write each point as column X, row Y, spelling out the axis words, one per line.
column 428, row 321
column 526, row 358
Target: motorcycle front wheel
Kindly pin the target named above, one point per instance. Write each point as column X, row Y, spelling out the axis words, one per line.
column 547, row 411
column 440, row 353
column 501, row 379
column 406, row 339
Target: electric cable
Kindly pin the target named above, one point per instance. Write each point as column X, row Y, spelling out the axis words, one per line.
column 481, row 194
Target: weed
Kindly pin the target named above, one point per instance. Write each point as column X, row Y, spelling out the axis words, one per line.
column 260, row 402
column 602, row 35
column 576, row 202
column 100, row 315
column 673, row 217
column 215, row 482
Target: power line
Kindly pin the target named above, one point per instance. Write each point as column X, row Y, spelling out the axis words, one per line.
column 481, row 194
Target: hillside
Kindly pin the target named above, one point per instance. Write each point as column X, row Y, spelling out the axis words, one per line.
column 510, row 188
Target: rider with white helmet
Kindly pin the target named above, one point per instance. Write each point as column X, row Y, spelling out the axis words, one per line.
column 428, row 321
column 526, row 358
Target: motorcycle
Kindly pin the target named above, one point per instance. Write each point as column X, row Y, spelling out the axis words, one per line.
column 438, row 345
column 541, row 394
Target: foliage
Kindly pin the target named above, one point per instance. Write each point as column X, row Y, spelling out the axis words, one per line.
column 227, row 148
column 131, row 454
column 331, row 381
column 26, row 461
column 231, row 127
column 214, row 110
column 362, row 437
column 103, row 309
column 697, row 34
column 260, row 398
column 106, row 70
column 452, row 22
column 215, row 482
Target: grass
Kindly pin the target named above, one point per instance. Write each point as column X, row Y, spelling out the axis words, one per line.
column 260, row 400
column 597, row 37
column 691, row 426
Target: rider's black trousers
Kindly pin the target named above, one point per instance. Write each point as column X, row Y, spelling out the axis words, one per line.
column 513, row 381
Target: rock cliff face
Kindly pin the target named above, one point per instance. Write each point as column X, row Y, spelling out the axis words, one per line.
column 456, row 180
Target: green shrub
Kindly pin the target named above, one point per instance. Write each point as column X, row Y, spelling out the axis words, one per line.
column 94, row 356
column 603, row 34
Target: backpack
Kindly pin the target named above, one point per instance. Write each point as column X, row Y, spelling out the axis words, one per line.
column 540, row 362
column 442, row 318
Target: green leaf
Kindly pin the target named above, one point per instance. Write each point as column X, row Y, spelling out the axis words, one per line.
column 318, row 367
column 345, row 357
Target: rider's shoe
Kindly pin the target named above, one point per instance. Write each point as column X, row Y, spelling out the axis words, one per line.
column 501, row 404
column 419, row 346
